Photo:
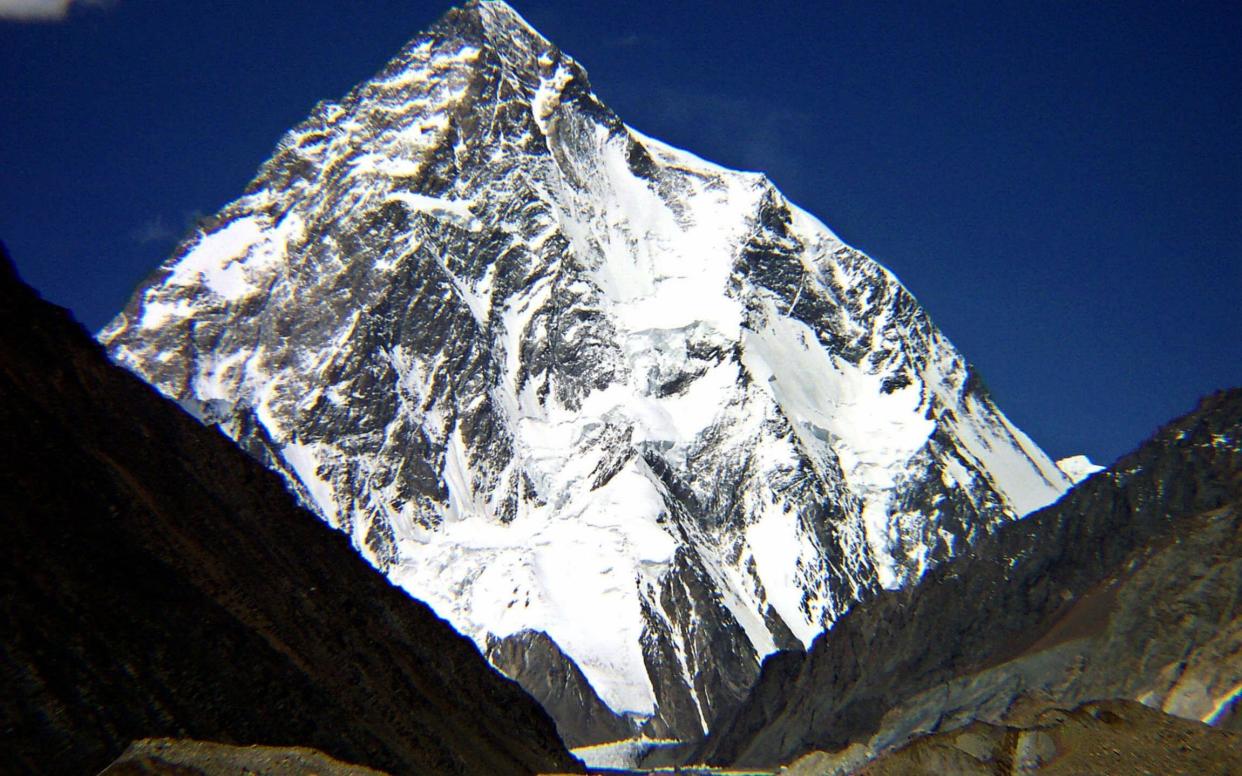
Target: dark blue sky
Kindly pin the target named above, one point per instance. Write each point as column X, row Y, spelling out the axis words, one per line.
column 1060, row 184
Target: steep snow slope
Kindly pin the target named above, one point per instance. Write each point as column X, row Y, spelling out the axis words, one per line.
column 553, row 375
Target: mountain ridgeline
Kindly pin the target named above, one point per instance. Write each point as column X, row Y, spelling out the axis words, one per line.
column 1127, row 588
column 627, row 419
column 158, row 582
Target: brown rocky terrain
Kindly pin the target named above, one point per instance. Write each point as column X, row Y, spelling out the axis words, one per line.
column 1121, row 738
column 157, row 582
column 182, row 757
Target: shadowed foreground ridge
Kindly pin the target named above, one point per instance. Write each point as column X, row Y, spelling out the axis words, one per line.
column 158, row 582
column 1126, row 588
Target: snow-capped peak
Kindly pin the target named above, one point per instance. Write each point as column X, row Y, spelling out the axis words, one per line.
column 554, row 376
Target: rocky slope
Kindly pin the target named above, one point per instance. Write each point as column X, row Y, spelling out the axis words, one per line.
column 534, row 661
column 1129, row 587
column 156, row 581
column 554, row 376
column 1102, row 737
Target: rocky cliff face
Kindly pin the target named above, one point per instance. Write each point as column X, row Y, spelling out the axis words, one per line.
column 155, row 581
column 554, row 376
column 534, row 660
column 1126, row 588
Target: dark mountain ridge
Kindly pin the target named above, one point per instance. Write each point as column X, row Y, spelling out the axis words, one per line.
column 1134, row 567
column 156, row 581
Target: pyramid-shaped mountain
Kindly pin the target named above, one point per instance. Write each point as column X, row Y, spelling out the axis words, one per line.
column 582, row 392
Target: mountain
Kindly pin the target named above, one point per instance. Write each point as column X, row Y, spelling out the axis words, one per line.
column 1127, row 588
column 156, row 581
column 555, row 377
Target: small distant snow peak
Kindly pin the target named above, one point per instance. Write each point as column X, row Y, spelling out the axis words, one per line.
column 1078, row 468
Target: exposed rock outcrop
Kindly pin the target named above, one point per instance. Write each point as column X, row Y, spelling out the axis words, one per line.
column 184, row 757
column 533, row 660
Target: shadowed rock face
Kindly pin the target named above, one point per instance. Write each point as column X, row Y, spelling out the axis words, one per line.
column 534, row 661
column 1128, row 587
column 156, row 581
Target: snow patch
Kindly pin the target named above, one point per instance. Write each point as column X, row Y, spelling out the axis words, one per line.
column 217, row 258
column 304, row 458
column 454, row 211
column 775, row 543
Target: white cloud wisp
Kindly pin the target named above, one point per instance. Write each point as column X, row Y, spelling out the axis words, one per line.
column 41, row 10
